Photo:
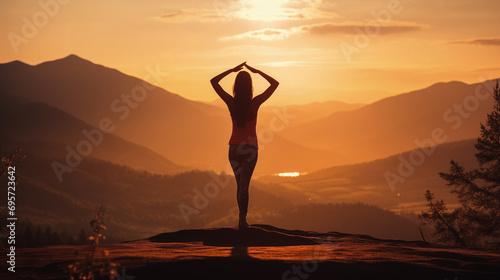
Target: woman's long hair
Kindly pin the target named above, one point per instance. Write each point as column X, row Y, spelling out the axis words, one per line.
column 243, row 94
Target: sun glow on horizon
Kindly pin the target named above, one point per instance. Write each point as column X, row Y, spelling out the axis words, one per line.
column 290, row 174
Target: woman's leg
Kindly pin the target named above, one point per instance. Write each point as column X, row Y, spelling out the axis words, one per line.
column 248, row 163
column 243, row 159
column 235, row 161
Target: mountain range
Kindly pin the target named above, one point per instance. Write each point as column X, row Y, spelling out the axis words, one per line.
column 174, row 133
column 373, row 182
column 446, row 111
column 46, row 131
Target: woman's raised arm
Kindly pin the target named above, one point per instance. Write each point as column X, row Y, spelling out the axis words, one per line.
column 261, row 98
column 215, row 83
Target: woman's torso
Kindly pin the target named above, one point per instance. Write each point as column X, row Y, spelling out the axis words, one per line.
column 246, row 134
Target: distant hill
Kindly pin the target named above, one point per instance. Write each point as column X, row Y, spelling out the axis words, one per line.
column 305, row 113
column 368, row 182
column 47, row 131
column 393, row 125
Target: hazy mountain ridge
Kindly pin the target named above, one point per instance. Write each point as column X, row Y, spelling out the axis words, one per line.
column 195, row 133
column 374, row 182
column 54, row 133
column 394, row 124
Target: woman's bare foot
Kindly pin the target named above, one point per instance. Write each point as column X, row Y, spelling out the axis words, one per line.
column 243, row 225
column 243, row 221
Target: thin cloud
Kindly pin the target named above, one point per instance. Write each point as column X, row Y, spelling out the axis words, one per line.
column 483, row 42
column 284, row 14
column 371, row 28
column 323, row 29
column 267, row 34
column 192, row 15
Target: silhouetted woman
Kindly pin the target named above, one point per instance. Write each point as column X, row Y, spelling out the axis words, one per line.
column 243, row 144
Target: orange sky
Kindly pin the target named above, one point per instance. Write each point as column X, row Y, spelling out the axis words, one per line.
column 352, row 51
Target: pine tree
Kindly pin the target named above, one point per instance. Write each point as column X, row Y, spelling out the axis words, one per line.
column 476, row 223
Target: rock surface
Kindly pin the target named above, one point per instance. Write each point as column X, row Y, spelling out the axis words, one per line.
column 265, row 252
